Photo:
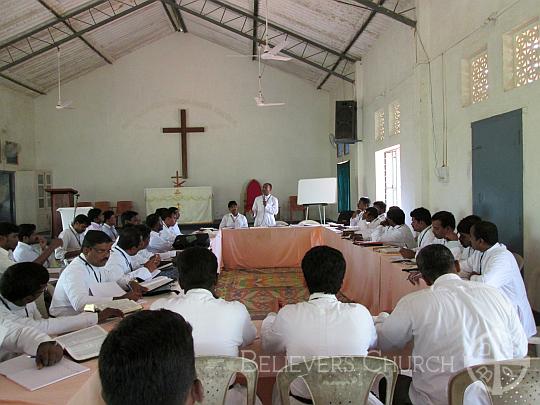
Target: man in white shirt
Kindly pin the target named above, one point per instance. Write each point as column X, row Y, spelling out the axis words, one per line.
column 361, row 206
column 74, row 287
column 95, row 215
column 443, row 226
column 22, row 284
column 144, row 255
column 9, row 238
column 233, row 219
column 495, row 266
column 220, row 327
column 453, row 324
column 322, row 326
column 120, row 265
column 15, row 339
column 380, row 206
column 109, row 225
column 393, row 230
column 168, row 220
column 157, row 243
column 421, row 223
column 159, row 341
column 464, row 230
column 176, row 216
column 72, row 238
column 130, row 218
column 33, row 248
column 265, row 207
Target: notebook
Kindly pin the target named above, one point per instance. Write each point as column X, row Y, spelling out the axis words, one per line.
column 83, row 344
column 125, row 305
column 156, row 282
column 108, row 289
column 23, row 371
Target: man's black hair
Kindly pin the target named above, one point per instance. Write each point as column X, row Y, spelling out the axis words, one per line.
column 7, row 228
column 129, row 238
column 396, row 215
column 152, row 220
column 421, row 215
column 487, row 231
column 466, row 223
column 93, row 214
column 22, row 279
column 324, row 270
column 81, row 219
column 231, row 203
column 198, row 268
column 143, row 230
column 446, row 219
column 372, row 212
column 93, row 238
column 127, row 216
column 26, row 230
column 107, row 214
column 365, row 200
column 380, row 206
column 434, row 261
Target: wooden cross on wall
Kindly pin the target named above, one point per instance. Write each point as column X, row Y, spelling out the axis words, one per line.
column 183, row 131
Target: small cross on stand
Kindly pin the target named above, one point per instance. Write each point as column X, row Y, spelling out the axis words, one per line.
column 183, row 130
column 177, row 182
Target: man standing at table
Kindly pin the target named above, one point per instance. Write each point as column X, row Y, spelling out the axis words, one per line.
column 265, row 207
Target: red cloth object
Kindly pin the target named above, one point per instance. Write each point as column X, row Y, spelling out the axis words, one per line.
column 253, row 190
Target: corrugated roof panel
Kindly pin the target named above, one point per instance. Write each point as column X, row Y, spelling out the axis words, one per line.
column 133, row 31
column 75, row 60
column 20, row 16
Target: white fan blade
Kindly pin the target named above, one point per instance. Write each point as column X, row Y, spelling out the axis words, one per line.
column 277, row 49
column 269, row 56
column 270, row 104
column 64, row 106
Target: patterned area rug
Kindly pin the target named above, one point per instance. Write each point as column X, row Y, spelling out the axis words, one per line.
column 259, row 289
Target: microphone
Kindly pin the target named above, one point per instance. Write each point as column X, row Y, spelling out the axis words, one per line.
column 75, row 208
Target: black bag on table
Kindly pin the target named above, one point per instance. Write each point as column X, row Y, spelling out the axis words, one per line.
column 194, row 240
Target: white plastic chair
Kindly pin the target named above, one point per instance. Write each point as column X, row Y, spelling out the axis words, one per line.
column 215, row 373
column 507, row 382
column 339, row 380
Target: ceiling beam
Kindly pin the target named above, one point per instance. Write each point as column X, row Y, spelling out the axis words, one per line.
column 364, row 26
column 300, row 48
column 255, row 29
column 78, row 34
column 68, row 25
column 19, row 83
column 387, row 12
column 175, row 17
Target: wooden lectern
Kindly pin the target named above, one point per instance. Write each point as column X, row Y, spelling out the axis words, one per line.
column 60, row 197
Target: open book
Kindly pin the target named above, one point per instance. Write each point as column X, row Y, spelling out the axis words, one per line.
column 83, row 344
column 23, row 371
column 125, row 305
column 156, row 282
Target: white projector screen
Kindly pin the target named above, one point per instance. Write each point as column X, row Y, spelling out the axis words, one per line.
column 317, row 191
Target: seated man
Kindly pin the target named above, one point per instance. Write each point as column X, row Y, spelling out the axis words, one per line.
column 168, row 220
column 74, row 288
column 176, row 215
column 9, row 238
column 157, row 244
column 421, row 223
column 497, row 267
column 265, row 207
column 109, row 224
column 16, row 339
column 144, row 255
column 233, row 219
column 380, row 206
column 453, row 324
column 72, row 238
column 219, row 327
column 443, row 227
column 33, row 248
column 120, row 265
column 129, row 218
column 369, row 222
column 22, row 284
column 393, row 230
column 322, row 326
column 169, row 356
column 95, row 215
column 464, row 230
column 357, row 216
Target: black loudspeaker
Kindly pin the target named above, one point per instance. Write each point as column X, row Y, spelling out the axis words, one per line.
column 345, row 131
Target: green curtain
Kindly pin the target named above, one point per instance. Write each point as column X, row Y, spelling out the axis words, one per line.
column 344, row 186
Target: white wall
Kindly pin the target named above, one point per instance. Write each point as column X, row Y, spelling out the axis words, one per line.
column 451, row 31
column 17, row 125
column 111, row 146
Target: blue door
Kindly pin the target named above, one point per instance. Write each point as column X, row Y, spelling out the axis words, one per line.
column 344, row 186
column 497, row 175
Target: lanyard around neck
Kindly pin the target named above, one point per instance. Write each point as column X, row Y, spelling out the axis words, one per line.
column 9, row 309
column 76, row 236
column 128, row 262
column 91, row 268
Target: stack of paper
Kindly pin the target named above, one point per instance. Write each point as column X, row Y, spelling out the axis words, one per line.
column 156, row 282
column 23, row 371
column 125, row 305
column 84, row 344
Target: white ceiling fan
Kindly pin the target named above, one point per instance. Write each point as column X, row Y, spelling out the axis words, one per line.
column 61, row 105
column 259, row 98
column 272, row 53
